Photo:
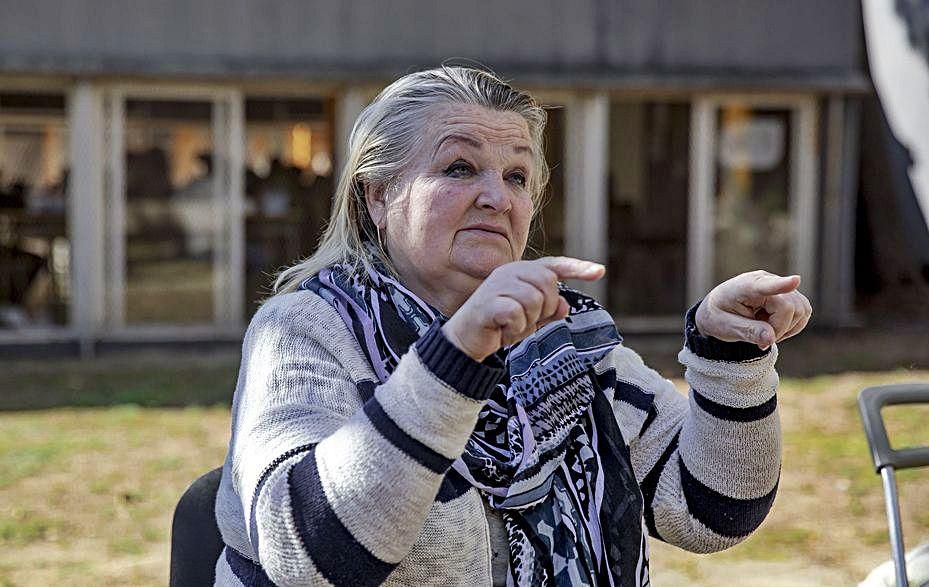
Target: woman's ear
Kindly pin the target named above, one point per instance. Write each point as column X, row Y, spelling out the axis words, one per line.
column 376, row 200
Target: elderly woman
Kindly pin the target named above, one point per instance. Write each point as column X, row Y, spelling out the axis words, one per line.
column 417, row 405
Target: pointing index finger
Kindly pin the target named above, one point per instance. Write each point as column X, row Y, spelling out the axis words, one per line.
column 571, row 268
column 772, row 285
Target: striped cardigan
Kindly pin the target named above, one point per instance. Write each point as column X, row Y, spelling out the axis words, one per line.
column 330, row 479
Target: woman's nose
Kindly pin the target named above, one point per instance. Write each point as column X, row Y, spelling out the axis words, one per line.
column 494, row 194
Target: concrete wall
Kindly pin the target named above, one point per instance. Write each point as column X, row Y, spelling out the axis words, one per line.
column 577, row 39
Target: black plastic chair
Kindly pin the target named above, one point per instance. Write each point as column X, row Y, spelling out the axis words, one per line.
column 195, row 540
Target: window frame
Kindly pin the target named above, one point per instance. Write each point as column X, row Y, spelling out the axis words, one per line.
column 227, row 129
column 804, row 177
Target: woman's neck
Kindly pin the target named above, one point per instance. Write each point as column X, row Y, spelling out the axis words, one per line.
column 442, row 295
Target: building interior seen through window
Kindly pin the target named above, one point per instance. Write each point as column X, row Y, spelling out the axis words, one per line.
column 34, row 247
column 648, row 185
column 170, row 212
column 172, row 193
column 288, row 186
column 752, row 213
column 547, row 236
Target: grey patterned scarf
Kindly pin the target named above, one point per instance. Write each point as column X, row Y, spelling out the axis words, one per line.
column 546, row 450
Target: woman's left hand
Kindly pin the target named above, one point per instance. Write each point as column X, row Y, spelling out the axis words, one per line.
column 756, row 307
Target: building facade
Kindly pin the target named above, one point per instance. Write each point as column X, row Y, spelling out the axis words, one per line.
column 159, row 161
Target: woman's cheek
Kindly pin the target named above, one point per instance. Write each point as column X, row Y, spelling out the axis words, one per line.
column 449, row 207
column 522, row 220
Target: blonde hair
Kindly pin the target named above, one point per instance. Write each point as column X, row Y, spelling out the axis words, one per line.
column 384, row 140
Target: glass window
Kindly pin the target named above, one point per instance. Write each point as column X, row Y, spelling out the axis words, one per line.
column 648, row 185
column 752, row 220
column 547, row 236
column 171, row 217
column 288, row 186
column 35, row 273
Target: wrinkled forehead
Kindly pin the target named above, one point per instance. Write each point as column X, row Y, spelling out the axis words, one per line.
column 477, row 127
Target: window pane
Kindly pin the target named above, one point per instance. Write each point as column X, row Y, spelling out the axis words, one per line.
column 288, row 186
column 35, row 273
column 170, row 213
column 547, row 237
column 648, row 186
column 752, row 220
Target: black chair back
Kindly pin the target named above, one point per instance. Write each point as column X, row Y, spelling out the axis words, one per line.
column 195, row 540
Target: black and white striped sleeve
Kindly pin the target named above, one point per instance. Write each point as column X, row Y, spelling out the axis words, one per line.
column 708, row 464
column 335, row 491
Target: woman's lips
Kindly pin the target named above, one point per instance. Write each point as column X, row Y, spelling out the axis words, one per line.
column 480, row 231
column 493, row 228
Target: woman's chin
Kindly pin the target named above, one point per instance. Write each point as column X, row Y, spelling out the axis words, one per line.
column 479, row 263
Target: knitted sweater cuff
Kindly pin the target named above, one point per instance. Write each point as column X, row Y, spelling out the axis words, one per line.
column 714, row 349
column 455, row 368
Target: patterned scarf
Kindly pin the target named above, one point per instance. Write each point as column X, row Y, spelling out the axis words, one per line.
column 546, row 450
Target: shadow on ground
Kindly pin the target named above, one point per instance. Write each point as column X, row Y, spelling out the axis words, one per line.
column 161, row 378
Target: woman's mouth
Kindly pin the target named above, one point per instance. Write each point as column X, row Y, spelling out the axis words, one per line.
column 486, row 230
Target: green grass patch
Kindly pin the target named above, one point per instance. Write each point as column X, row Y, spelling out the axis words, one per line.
column 907, row 425
column 28, row 460
column 126, row 546
column 24, row 527
column 776, row 543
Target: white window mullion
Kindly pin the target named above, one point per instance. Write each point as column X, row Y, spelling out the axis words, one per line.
column 116, row 212
column 803, row 201
column 86, row 205
column 348, row 107
column 228, row 206
column 700, row 223
column 236, row 210
column 220, row 212
column 587, row 123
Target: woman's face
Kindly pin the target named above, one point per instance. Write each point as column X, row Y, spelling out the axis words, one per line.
column 463, row 208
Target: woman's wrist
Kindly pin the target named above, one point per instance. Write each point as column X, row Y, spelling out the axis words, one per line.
column 451, row 334
column 712, row 348
column 455, row 367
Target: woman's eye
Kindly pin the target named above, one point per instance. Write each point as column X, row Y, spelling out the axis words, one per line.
column 459, row 169
column 519, row 178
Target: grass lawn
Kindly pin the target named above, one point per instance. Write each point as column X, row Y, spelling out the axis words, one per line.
column 87, row 490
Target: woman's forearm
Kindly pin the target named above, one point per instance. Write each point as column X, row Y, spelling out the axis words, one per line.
column 707, row 464
column 716, row 478
column 353, row 505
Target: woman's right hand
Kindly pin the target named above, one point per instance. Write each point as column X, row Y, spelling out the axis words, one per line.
column 514, row 301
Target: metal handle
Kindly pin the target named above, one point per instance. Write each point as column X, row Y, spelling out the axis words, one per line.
column 870, row 402
column 886, row 459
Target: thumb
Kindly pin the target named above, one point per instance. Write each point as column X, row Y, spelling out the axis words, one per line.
column 772, row 285
column 739, row 329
